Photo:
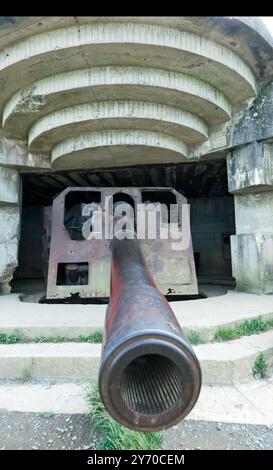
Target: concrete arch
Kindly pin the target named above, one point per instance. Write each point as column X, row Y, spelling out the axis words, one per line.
column 54, row 127
column 136, row 44
column 114, row 147
column 105, row 83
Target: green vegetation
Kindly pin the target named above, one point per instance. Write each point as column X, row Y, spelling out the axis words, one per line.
column 194, row 337
column 26, row 375
column 95, row 337
column 40, row 339
column 224, row 334
column 57, row 339
column 247, row 328
column 250, row 327
column 114, row 436
column 51, row 339
column 9, row 339
column 260, row 367
column 46, row 414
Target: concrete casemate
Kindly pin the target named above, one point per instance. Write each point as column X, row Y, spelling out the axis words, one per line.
column 178, row 76
column 79, row 93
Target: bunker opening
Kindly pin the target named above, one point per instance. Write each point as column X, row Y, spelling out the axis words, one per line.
column 211, row 224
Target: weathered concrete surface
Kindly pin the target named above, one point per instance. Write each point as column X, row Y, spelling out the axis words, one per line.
column 252, row 262
column 221, row 363
column 49, row 360
column 117, row 148
column 254, row 213
column 248, row 35
column 120, row 83
column 226, row 363
column 15, row 154
column 9, row 186
column 249, row 403
column 250, row 168
column 8, row 263
column 10, row 195
column 207, row 66
column 10, row 221
column 72, row 45
column 60, row 397
column 9, row 236
column 204, row 316
column 250, row 179
column 247, row 136
column 49, row 130
column 232, row 362
column 256, row 122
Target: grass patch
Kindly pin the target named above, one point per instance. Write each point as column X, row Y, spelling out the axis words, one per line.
column 224, row 334
column 26, row 375
column 46, row 414
column 247, row 328
column 260, row 367
column 57, row 339
column 194, row 337
column 114, row 436
column 250, row 327
column 51, row 339
column 95, row 337
column 9, row 339
column 40, row 339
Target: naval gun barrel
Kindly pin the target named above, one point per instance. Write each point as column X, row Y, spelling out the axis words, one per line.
column 150, row 377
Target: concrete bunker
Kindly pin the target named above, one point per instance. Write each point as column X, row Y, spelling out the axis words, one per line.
column 180, row 102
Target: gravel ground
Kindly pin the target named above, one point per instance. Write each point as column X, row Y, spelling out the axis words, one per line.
column 20, row 431
column 204, row 435
column 60, row 431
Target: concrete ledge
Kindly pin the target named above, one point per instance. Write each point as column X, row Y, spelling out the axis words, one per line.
column 70, row 47
column 204, row 316
column 232, row 362
column 249, row 168
column 117, row 148
column 221, row 363
column 65, row 360
column 103, row 115
column 246, row 403
column 123, row 83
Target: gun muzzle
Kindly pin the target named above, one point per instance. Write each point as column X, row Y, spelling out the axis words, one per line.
column 149, row 377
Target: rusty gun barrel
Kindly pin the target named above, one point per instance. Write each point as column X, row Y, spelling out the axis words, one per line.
column 149, row 377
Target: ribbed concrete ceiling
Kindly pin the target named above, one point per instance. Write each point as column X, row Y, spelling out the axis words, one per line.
column 203, row 179
column 114, row 91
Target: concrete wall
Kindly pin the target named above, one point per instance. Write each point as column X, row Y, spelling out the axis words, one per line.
column 10, row 196
column 250, row 175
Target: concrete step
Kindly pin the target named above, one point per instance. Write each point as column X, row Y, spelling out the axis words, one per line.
column 249, row 403
column 205, row 316
column 222, row 363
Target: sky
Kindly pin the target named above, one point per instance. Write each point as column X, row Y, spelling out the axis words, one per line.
column 269, row 22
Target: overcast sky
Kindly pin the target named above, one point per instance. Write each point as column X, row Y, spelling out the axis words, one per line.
column 269, row 22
